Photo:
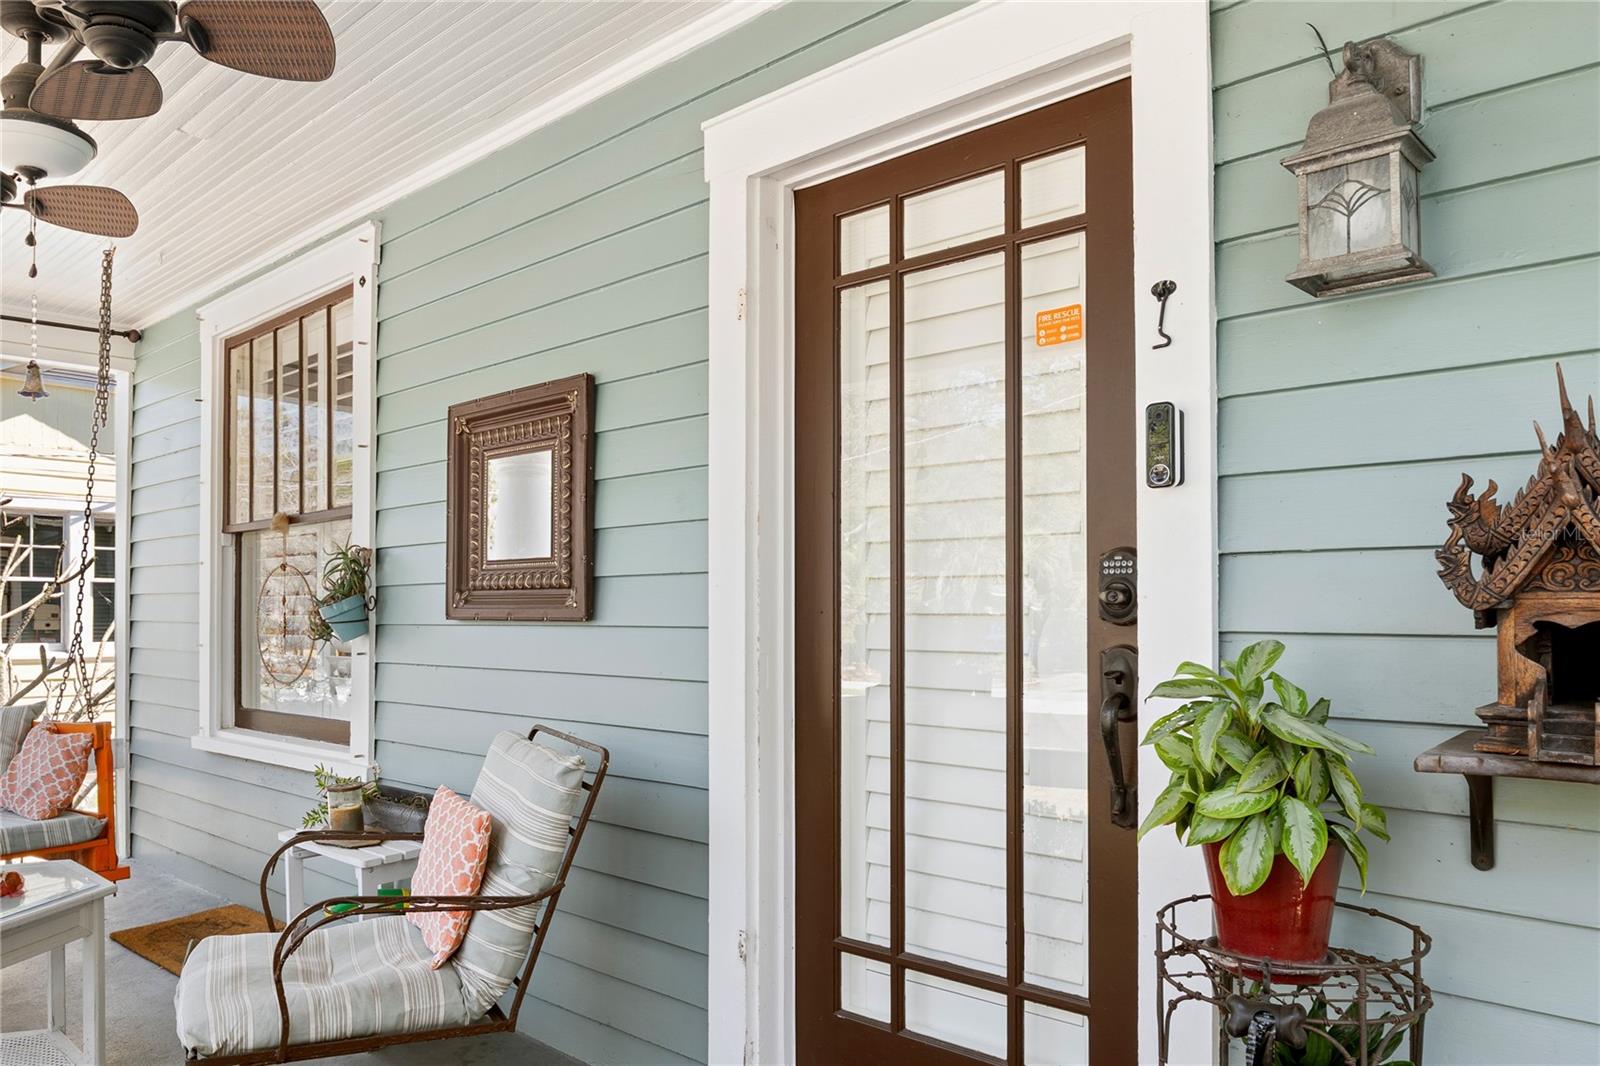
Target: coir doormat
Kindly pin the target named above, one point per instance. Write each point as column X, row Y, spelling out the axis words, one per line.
column 166, row 943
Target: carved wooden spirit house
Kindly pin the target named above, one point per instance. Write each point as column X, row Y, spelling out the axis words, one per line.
column 1540, row 584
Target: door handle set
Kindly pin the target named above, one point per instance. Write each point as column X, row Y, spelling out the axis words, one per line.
column 1119, row 705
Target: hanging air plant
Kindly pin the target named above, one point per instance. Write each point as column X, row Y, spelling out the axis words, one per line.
column 342, row 611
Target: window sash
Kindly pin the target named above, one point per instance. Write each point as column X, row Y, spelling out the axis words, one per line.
column 323, row 728
column 261, row 390
column 283, row 390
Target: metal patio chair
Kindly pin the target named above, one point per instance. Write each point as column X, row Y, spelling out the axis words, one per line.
column 362, row 955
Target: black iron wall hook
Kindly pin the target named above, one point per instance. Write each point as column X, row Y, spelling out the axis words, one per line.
column 1161, row 290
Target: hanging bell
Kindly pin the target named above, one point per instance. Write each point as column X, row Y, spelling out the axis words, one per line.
column 32, row 383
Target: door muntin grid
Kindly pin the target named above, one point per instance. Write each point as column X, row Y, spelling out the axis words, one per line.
column 919, row 415
column 925, row 369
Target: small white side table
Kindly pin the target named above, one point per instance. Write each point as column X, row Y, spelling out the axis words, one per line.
column 60, row 902
column 375, row 866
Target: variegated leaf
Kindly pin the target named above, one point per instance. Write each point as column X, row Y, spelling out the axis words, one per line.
column 1231, row 803
column 1263, row 772
column 1171, row 803
column 1305, row 836
column 1246, row 857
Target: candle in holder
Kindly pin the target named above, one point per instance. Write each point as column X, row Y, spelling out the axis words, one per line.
column 345, row 805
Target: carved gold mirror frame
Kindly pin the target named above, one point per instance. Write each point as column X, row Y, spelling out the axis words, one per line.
column 555, row 583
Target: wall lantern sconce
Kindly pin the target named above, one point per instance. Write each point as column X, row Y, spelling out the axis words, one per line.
column 1360, row 222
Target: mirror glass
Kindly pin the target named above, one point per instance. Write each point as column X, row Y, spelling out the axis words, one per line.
column 517, row 515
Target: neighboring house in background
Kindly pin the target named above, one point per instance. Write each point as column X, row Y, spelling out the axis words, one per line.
column 44, row 457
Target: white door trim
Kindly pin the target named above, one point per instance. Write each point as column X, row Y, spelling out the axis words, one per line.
column 977, row 66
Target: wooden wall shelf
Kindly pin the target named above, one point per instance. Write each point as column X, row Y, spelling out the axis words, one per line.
column 1457, row 756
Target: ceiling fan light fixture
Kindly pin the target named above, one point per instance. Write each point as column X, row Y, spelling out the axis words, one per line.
column 36, row 145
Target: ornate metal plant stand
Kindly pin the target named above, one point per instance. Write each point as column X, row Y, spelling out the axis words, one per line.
column 1364, row 1005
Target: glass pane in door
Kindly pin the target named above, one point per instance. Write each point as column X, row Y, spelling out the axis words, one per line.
column 1054, row 611
column 864, row 987
column 955, row 612
column 864, row 239
column 1053, row 1037
column 955, row 1013
column 955, row 214
column 864, row 663
column 1052, row 187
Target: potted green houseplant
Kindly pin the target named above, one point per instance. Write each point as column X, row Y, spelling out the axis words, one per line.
column 1265, row 788
column 318, row 816
column 342, row 610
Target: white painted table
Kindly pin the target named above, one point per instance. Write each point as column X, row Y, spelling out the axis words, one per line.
column 374, row 867
column 61, row 902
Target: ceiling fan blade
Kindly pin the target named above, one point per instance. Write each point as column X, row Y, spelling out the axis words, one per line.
column 85, row 208
column 88, row 90
column 285, row 39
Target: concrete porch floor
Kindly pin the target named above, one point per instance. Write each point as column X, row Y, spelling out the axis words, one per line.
column 139, row 1023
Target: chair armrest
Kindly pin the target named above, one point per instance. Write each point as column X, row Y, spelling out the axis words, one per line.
column 316, row 836
column 315, row 917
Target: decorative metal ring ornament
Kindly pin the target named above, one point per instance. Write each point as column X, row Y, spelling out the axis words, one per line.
column 287, row 576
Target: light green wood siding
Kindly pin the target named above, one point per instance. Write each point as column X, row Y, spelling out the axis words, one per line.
column 581, row 248
column 1345, row 425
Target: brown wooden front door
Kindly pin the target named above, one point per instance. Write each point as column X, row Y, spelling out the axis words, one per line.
column 965, row 463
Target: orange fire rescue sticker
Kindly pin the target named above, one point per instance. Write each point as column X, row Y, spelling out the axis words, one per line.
column 1058, row 325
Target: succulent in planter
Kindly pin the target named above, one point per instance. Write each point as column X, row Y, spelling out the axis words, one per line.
column 341, row 612
column 1255, row 777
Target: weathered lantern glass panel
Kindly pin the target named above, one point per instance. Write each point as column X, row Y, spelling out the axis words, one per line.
column 1347, row 208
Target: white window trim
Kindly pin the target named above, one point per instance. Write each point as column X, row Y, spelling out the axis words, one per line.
column 350, row 259
column 970, row 69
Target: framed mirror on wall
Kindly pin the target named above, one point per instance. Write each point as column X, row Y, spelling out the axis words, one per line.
column 519, row 525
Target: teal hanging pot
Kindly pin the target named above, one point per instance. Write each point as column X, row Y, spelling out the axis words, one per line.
column 347, row 617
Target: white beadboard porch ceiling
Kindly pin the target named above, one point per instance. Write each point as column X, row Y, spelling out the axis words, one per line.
column 233, row 165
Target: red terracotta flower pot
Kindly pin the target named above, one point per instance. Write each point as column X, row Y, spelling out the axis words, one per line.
column 1285, row 920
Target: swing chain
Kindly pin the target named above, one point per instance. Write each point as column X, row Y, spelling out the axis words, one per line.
column 86, row 546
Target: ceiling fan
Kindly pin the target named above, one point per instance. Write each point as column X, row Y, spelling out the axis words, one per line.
column 284, row 39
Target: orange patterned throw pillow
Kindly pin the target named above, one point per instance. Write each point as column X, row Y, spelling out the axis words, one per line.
column 43, row 778
column 455, row 849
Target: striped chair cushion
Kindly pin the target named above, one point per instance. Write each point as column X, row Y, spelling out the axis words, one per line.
column 14, row 723
column 349, row 979
column 531, row 792
column 26, row 834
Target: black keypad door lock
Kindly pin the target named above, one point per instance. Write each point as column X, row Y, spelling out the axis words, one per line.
column 1119, row 587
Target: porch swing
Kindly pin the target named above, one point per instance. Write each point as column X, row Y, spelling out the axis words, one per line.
column 89, row 837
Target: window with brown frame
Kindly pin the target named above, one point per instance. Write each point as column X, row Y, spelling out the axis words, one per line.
column 289, row 456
